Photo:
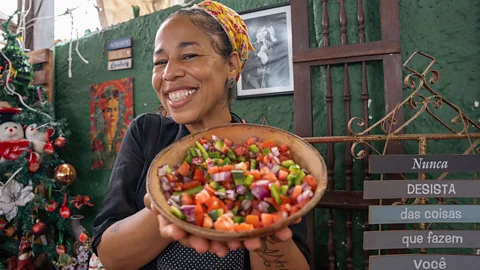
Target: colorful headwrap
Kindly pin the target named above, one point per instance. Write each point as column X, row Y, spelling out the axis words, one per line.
column 233, row 25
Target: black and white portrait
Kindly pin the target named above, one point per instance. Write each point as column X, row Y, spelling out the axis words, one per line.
column 269, row 70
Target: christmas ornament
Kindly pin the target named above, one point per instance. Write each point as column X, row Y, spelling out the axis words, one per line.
column 3, row 224
column 24, row 255
column 12, row 195
column 12, row 141
column 80, row 201
column 95, row 263
column 60, row 248
column 65, row 174
column 39, row 228
column 64, row 211
column 51, row 206
column 60, row 142
column 83, row 237
column 33, row 162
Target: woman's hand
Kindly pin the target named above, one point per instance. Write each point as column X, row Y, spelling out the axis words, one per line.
column 201, row 245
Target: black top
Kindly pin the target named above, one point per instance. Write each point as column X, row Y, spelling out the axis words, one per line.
column 147, row 135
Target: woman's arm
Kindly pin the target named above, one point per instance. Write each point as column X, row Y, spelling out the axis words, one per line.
column 278, row 256
column 132, row 242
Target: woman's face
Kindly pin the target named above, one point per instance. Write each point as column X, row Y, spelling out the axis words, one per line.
column 110, row 113
column 188, row 75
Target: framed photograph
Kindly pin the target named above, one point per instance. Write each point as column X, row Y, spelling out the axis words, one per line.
column 268, row 70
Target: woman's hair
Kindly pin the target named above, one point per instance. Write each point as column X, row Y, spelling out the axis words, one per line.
column 211, row 27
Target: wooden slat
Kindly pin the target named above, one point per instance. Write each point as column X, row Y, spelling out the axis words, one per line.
column 340, row 199
column 39, row 56
column 302, row 99
column 39, row 77
column 346, row 51
column 299, row 10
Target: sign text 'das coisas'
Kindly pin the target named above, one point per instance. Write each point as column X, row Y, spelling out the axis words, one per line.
column 391, row 189
column 423, row 163
column 424, row 262
column 374, row 240
column 406, row 214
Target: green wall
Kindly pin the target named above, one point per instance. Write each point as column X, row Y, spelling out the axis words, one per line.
column 445, row 30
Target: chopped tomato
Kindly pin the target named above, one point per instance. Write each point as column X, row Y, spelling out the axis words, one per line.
column 227, row 142
column 251, row 141
column 268, row 144
column 227, row 168
column 229, row 204
column 297, row 190
column 282, row 158
column 282, row 175
column 202, row 196
column 207, row 221
column 213, row 170
column 193, row 167
column 267, row 159
column 184, row 169
column 214, row 203
column 228, row 184
column 295, row 209
column 209, row 190
column 191, row 184
column 286, row 207
column 172, row 178
column 242, row 227
column 224, row 223
column 270, row 177
column 283, row 148
column 267, row 219
column 310, row 180
column 199, row 214
column 199, row 175
column 240, row 151
column 260, row 157
column 285, row 199
column 287, row 154
column 255, row 212
column 177, row 186
column 255, row 173
column 203, row 141
column 253, row 220
column 187, row 199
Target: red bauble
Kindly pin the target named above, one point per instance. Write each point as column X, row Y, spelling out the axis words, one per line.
column 60, row 249
column 83, row 237
column 51, row 206
column 64, row 212
column 39, row 228
column 60, row 142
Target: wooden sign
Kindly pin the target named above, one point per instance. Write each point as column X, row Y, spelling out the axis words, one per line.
column 120, row 43
column 424, row 213
column 420, row 239
column 424, row 262
column 120, row 54
column 391, row 189
column 423, row 163
column 120, row 64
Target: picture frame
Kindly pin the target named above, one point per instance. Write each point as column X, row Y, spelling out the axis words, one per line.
column 269, row 70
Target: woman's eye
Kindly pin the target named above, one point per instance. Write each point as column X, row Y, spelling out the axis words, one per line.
column 160, row 62
column 190, row 56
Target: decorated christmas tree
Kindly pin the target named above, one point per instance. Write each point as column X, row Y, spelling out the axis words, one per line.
column 40, row 220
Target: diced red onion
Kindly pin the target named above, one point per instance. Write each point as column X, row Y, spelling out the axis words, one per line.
column 212, row 149
column 198, row 152
column 270, row 155
column 186, row 179
column 162, row 170
column 290, row 191
column 304, row 196
column 304, row 185
column 251, row 155
column 261, row 166
column 205, row 146
column 215, row 138
column 220, row 193
column 276, row 160
column 263, row 207
column 197, row 161
column 307, row 188
column 172, row 201
column 270, row 165
column 246, row 204
column 262, row 183
column 241, row 190
column 243, row 213
column 166, row 186
column 189, row 212
column 222, row 176
column 167, row 195
column 231, row 195
column 260, row 193
column 209, row 144
column 275, row 168
column 275, row 151
column 210, row 163
column 305, row 171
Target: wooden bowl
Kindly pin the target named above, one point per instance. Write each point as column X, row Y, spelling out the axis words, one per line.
column 302, row 153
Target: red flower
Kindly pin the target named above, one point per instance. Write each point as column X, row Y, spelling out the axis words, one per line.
column 97, row 164
column 128, row 101
column 98, row 146
column 128, row 117
column 83, row 237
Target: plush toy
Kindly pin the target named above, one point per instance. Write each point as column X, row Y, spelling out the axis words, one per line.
column 12, row 141
column 11, row 131
column 40, row 139
column 25, row 255
column 95, row 263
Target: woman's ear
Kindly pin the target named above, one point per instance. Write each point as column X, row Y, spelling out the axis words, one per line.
column 234, row 65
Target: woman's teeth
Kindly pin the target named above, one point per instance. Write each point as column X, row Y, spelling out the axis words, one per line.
column 181, row 94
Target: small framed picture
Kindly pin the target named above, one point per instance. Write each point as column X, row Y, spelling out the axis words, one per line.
column 268, row 70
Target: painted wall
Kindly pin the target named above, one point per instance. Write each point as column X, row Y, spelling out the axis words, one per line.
column 447, row 31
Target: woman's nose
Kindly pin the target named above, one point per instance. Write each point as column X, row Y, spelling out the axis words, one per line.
column 172, row 71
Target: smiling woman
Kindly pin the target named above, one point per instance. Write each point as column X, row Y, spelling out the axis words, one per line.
column 198, row 57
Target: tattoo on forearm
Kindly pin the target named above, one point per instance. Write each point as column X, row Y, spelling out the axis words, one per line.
column 273, row 257
column 116, row 227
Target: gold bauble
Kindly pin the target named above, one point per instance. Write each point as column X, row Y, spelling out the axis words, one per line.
column 65, row 174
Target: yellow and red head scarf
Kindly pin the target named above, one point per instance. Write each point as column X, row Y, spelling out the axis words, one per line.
column 233, row 25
